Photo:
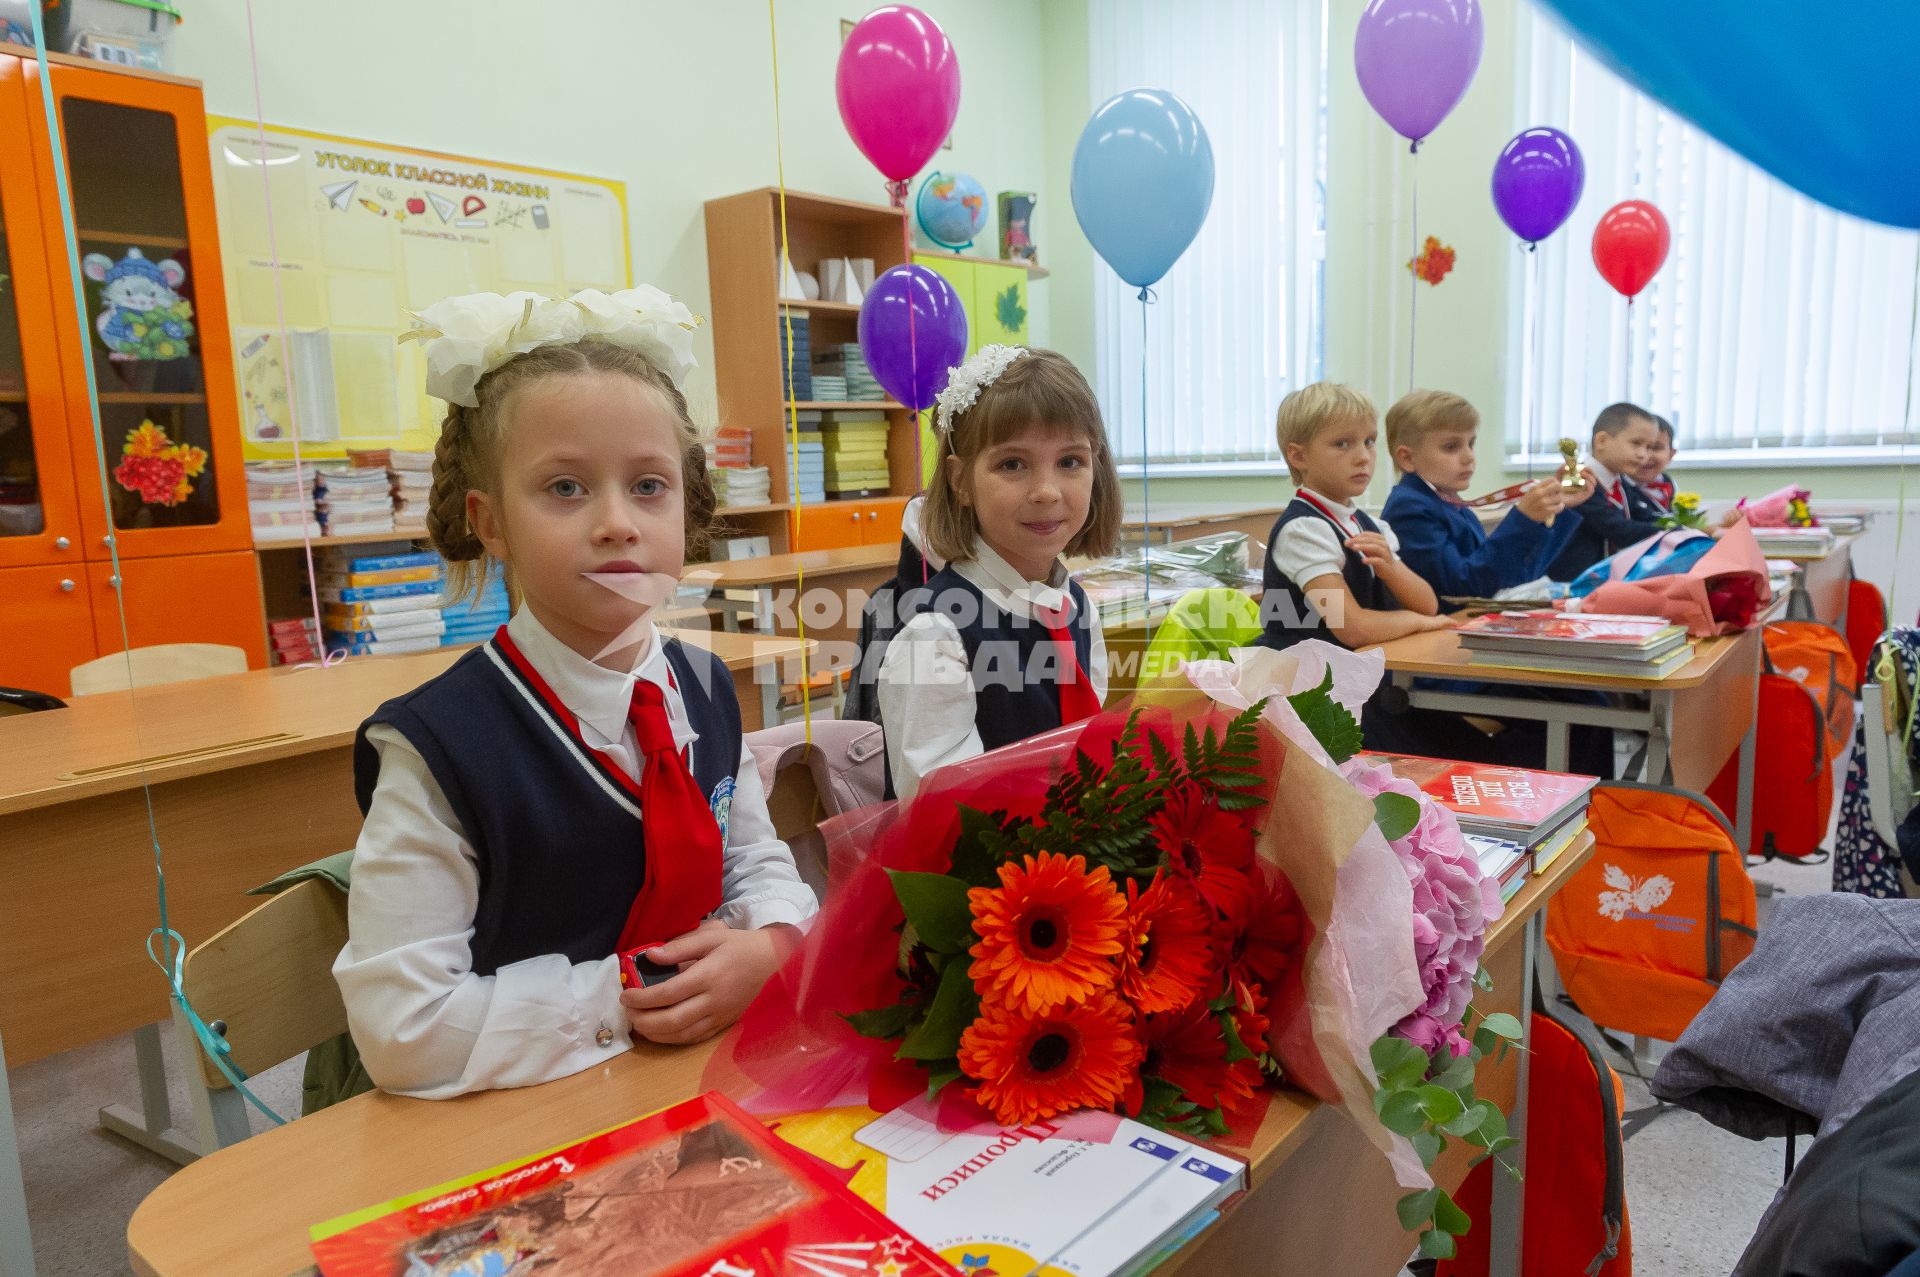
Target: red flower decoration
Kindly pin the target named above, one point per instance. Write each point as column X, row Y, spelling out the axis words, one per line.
column 1733, row 600
column 1248, row 1010
column 1186, row 1049
column 1209, row 849
column 1048, row 933
column 1434, row 262
column 1168, row 958
column 1034, row 1066
column 1266, row 937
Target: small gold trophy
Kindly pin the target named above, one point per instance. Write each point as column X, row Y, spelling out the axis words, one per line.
column 1572, row 477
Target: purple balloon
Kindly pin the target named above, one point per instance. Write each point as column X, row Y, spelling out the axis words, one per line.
column 1415, row 59
column 913, row 331
column 1536, row 182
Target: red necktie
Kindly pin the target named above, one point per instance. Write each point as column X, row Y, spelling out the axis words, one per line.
column 1078, row 700
column 1619, row 495
column 682, row 838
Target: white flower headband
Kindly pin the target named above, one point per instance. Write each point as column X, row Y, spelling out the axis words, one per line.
column 965, row 383
column 468, row 337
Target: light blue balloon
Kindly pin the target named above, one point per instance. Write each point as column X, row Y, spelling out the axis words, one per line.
column 1142, row 182
column 1824, row 97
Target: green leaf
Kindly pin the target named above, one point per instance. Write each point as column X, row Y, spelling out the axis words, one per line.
column 1470, row 1120
column 1398, row 1062
column 1435, row 1244
column 1492, row 1127
column 1237, row 1048
column 1440, row 1105
column 939, row 1076
column 981, row 847
column 1400, row 1113
column 1482, row 979
column 1449, row 1218
column 881, row 1022
column 1485, row 1040
column 1503, row 1025
column 936, row 908
column 1457, row 1077
column 1331, row 724
column 1428, row 1145
column 1416, row 1209
column 1396, row 814
column 955, row 1005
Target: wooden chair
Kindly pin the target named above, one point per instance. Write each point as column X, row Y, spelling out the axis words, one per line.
column 266, row 983
column 164, row 663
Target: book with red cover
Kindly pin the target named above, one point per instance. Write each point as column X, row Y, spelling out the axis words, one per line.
column 697, row 1189
column 1505, row 802
column 1551, row 631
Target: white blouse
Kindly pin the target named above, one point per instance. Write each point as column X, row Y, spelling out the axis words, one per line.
column 425, row 1023
column 927, row 701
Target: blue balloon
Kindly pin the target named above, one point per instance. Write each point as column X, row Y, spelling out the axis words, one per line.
column 1142, row 182
column 1825, row 100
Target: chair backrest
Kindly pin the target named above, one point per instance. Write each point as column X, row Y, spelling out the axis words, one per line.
column 841, row 771
column 1889, row 780
column 269, row 977
column 164, row 663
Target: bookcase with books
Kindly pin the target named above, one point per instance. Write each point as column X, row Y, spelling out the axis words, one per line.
column 856, row 447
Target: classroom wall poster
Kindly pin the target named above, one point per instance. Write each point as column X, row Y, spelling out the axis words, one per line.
column 365, row 233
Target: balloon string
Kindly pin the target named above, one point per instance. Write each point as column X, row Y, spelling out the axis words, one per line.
column 793, row 409
column 913, row 345
column 1413, row 277
column 1531, row 414
column 1146, row 466
column 1626, row 356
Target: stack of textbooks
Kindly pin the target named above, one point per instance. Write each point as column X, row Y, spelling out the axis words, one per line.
column 1084, row 1194
column 1795, row 543
column 381, row 603
column 1518, row 820
column 280, row 501
column 471, row 620
column 352, row 500
column 855, row 454
column 847, row 361
column 1578, row 643
column 294, row 639
column 796, row 360
column 737, row 486
column 810, row 478
column 730, row 447
column 696, row 1190
column 410, row 480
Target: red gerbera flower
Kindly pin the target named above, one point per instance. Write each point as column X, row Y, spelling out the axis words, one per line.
column 1186, row 1049
column 1210, row 849
column 1266, row 935
column 1048, row 933
column 1168, row 959
column 1244, row 1077
column 1032, row 1067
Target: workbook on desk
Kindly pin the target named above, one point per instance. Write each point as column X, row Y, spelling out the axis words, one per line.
column 1515, row 803
column 698, row 1189
column 1577, row 643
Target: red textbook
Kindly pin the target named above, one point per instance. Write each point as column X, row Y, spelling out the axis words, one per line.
column 698, row 1190
column 1505, row 802
column 1545, row 630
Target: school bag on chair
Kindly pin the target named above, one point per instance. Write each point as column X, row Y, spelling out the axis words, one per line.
column 1803, row 720
column 1574, row 1200
column 1643, row 934
column 1866, row 622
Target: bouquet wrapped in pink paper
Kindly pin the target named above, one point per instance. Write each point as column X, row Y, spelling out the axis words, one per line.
column 1785, row 508
column 1719, row 592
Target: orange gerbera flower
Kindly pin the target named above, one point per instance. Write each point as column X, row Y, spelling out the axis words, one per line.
column 1210, row 849
column 1048, row 933
column 1187, row 1049
column 1170, row 956
column 1032, row 1067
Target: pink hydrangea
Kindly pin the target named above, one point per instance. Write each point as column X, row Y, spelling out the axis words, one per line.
column 1452, row 906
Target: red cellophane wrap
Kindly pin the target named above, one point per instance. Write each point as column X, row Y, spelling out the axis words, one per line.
column 1721, row 593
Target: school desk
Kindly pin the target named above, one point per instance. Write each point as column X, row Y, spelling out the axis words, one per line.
column 1163, row 523
column 844, row 579
column 251, row 774
column 1819, row 590
column 1320, row 1199
column 1695, row 718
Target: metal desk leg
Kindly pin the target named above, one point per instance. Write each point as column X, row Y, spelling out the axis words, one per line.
column 1559, row 732
column 16, row 1243
column 768, row 676
column 152, row 1127
column 1505, row 1227
column 1659, row 767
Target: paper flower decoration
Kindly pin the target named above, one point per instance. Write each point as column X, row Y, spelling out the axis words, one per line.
column 1434, row 262
column 155, row 468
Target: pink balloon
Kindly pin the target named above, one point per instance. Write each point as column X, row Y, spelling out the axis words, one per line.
column 899, row 88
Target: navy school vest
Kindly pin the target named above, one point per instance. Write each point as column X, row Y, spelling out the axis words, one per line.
column 1289, row 617
column 1016, row 674
column 555, row 825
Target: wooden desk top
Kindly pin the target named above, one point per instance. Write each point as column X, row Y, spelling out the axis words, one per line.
column 97, row 744
column 1173, row 512
column 1438, row 654
column 376, row 1147
column 776, row 569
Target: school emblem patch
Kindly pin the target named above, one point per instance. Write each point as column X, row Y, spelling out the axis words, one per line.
column 722, row 804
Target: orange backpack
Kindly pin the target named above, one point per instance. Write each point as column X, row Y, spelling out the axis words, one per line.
column 1574, row 1201
column 1644, row 933
column 1803, row 720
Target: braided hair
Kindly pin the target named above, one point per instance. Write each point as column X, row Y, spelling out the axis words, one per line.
column 467, row 456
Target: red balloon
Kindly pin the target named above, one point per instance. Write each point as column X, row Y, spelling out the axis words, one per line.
column 1630, row 245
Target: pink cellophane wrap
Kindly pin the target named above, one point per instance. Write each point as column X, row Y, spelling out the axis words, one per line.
column 1352, row 883
column 1721, row 593
column 1771, row 510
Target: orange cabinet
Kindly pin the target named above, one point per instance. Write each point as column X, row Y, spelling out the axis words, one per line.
column 835, row 525
column 151, row 332
column 46, row 616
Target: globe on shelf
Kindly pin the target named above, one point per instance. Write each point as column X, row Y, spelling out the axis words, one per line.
column 952, row 208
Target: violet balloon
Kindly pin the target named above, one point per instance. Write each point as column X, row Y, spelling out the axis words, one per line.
column 1415, row 59
column 1537, row 181
column 913, row 331
column 898, row 84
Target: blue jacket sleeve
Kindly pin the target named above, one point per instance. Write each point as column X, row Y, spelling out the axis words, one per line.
column 1617, row 529
column 1492, row 564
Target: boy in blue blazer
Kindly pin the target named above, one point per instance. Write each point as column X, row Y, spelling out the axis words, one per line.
column 1624, row 438
column 1430, row 435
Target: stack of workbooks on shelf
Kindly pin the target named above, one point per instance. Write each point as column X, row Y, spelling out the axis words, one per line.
column 806, row 455
column 410, row 483
column 294, row 639
column 1794, row 542
column 736, row 486
column 730, row 447
column 796, row 354
column 352, row 500
column 854, row 449
column 280, row 501
column 382, row 602
column 1577, row 643
column 847, row 362
column 474, row 620
column 1518, row 820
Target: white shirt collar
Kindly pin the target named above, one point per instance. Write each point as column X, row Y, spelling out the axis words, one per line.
column 1344, row 512
column 599, row 697
column 1600, row 472
column 1012, row 592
